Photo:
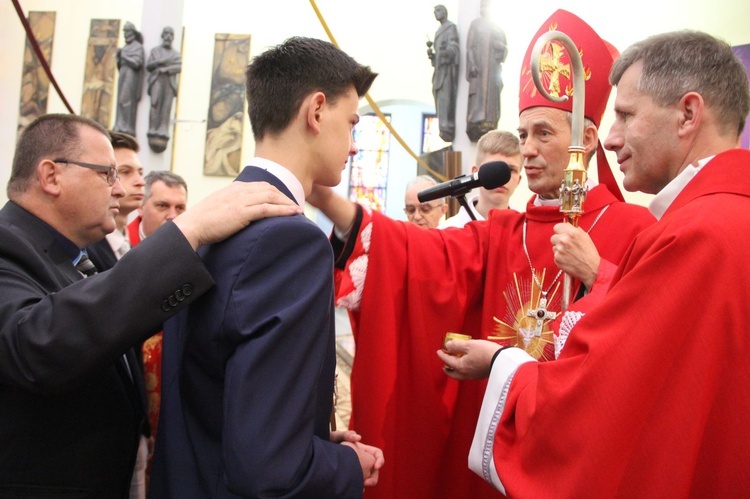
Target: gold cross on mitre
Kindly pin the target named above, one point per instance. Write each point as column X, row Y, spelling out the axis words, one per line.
column 552, row 67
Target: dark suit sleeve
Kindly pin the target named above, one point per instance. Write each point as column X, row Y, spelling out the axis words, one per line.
column 50, row 339
column 279, row 312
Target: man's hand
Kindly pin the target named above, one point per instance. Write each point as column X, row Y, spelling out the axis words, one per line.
column 340, row 436
column 469, row 359
column 232, row 208
column 370, row 458
column 575, row 253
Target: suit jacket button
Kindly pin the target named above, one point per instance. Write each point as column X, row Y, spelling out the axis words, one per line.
column 187, row 289
column 179, row 295
column 173, row 301
column 165, row 306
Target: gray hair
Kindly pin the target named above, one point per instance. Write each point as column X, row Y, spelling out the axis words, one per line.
column 423, row 179
column 680, row 62
column 170, row 180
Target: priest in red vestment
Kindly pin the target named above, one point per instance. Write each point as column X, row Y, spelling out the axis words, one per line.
column 407, row 286
column 651, row 395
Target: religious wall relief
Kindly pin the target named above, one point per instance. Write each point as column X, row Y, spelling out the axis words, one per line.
column 34, row 81
column 226, row 105
column 99, row 74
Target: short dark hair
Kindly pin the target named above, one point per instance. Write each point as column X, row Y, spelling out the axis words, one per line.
column 690, row 61
column 280, row 78
column 122, row 140
column 170, row 179
column 49, row 136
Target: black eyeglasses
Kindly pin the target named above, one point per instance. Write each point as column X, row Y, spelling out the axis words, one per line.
column 424, row 209
column 111, row 170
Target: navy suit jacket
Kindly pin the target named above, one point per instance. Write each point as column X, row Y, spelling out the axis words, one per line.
column 248, row 372
column 69, row 414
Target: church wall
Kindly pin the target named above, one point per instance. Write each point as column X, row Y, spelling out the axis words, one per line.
column 388, row 35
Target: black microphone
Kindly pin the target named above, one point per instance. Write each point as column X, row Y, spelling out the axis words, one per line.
column 490, row 176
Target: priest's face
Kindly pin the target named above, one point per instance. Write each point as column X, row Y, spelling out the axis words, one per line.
column 645, row 137
column 544, row 133
column 427, row 215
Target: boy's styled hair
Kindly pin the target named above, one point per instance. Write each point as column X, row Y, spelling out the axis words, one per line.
column 280, row 78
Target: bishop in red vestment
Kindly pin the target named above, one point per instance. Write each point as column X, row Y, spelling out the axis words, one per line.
column 406, row 287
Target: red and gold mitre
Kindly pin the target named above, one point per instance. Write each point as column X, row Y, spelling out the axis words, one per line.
column 597, row 57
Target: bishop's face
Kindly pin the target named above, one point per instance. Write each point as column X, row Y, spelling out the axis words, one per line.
column 544, row 134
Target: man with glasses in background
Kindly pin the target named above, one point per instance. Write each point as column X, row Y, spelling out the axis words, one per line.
column 426, row 215
column 69, row 423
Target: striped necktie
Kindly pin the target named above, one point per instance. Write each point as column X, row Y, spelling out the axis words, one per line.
column 85, row 266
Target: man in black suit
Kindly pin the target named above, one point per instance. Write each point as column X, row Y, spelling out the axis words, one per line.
column 69, row 419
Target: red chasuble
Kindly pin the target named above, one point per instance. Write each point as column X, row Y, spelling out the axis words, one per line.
column 651, row 395
column 408, row 286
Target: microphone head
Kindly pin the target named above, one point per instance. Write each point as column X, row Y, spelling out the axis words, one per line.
column 493, row 174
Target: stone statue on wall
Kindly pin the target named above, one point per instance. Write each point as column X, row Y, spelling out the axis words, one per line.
column 130, row 59
column 164, row 64
column 444, row 54
column 486, row 50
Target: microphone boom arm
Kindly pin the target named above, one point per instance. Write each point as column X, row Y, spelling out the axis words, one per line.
column 462, row 201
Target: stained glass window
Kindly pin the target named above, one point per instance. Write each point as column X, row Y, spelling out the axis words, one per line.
column 431, row 140
column 368, row 180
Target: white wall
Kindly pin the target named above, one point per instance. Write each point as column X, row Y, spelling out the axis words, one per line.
column 388, row 35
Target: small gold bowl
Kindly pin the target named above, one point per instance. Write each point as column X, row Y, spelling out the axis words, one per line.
column 455, row 336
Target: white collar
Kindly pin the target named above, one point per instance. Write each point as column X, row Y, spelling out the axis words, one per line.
column 115, row 240
column 287, row 177
column 661, row 202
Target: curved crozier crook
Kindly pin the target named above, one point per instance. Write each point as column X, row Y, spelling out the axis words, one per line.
column 578, row 77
